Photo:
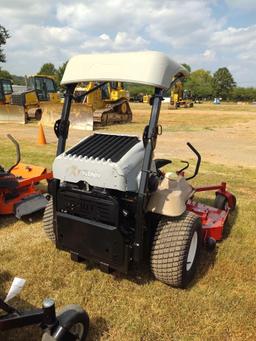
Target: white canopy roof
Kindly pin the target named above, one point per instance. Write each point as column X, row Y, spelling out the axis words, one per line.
column 148, row 67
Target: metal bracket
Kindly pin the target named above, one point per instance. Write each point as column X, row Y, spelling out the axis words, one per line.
column 61, row 128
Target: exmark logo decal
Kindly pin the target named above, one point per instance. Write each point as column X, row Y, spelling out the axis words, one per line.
column 77, row 173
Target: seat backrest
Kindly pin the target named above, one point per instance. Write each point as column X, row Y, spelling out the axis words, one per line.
column 8, row 181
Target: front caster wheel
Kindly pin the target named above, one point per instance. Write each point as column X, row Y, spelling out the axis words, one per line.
column 75, row 323
column 222, row 203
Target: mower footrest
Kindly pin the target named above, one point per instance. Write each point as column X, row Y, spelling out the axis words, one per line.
column 30, row 205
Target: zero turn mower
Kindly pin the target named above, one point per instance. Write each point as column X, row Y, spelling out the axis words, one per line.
column 111, row 203
column 19, row 192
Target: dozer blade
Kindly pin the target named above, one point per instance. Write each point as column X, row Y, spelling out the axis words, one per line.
column 12, row 113
column 81, row 116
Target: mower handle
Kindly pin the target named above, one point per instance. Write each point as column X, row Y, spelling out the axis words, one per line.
column 184, row 168
column 198, row 160
column 10, row 137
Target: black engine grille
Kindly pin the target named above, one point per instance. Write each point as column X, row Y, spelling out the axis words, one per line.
column 88, row 205
column 18, row 99
column 111, row 147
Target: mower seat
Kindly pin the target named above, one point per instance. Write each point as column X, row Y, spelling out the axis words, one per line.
column 161, row 163
column 8, row 181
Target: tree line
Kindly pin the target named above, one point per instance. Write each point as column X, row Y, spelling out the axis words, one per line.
column 201, row 84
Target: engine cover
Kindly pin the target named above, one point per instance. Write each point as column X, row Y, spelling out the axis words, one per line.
column 103, row 160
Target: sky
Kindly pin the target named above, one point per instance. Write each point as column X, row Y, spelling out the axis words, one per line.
column 205, row 34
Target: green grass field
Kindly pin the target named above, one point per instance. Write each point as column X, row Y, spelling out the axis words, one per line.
column 220, row 304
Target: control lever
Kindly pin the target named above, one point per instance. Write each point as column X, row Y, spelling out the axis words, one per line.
column 10, row 137
column 184, row 168
column 198, row 161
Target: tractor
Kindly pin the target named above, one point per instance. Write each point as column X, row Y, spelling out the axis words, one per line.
column 111, row 202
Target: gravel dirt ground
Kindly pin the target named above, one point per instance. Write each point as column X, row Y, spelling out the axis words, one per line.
column 222, row 136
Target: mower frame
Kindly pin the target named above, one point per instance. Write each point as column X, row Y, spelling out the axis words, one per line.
column 16, row 319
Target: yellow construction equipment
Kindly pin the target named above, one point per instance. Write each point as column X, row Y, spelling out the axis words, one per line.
column 6, row 91
column 179, row 97
column 146, row 98
column 109, row 103
column 106, row 105
column 17, row 107
column 42, row 101
column 21, row 106
column 45, row 88
column 39, row 95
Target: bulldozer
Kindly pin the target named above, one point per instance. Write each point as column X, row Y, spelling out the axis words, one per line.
column 9, row 112
column 180, row 97
column 40, row 94
column 6, row 91
column 42, row 101
column 106, row 105
column 45, row 87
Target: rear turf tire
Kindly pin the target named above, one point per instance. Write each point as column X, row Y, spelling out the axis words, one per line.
column 176, row 248
column 48, row 221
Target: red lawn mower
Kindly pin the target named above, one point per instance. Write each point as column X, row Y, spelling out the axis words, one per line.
column 111, row 203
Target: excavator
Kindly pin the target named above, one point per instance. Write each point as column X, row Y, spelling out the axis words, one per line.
column 179, row 97
column 106, row 105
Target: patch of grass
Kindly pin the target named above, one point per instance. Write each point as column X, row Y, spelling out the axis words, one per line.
column 226, row 106
column 220, row 304
column 200, row 117
column 39, row 155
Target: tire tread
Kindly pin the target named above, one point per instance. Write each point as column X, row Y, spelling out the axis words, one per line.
column 169, row 247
